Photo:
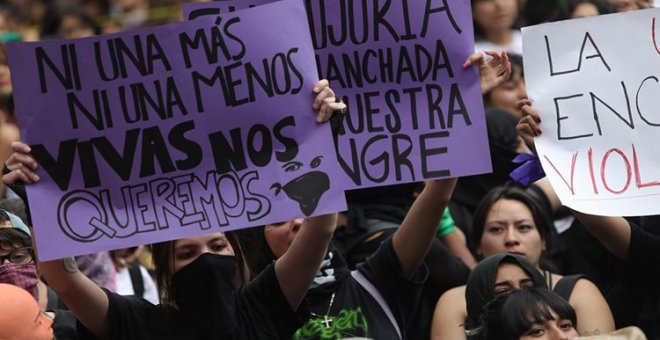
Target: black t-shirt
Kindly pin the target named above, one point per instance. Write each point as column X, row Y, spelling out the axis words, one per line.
column 259, row 311
column 644, row 255
column 635, row 300
column 355, row 313
column 643, row 274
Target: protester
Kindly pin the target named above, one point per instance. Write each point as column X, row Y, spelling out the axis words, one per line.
column 383, row 293
column 509, row 220
column 496, row 25
column 198, row 276
column 494, row 275
column 337, row 294
column 18, row 267
column 21, row 318
column 510, row 92
column 636, row 247
column 524, row 314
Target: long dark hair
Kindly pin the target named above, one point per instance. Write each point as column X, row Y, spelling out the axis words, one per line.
column 258, row 254
column 514, row 192
column 511, row 315
column 480, row 287
column 163, row 258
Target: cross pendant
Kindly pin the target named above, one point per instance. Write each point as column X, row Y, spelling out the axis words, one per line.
column 326, row 321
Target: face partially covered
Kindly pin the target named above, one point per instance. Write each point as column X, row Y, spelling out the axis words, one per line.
column 510, row 228
column 188, row 249
column 507, row 95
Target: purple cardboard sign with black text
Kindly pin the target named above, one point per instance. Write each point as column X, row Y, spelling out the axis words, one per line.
column 167, row 132
column 414, row 112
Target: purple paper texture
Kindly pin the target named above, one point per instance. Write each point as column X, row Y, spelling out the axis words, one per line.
column 129, row 130
column 414, row 112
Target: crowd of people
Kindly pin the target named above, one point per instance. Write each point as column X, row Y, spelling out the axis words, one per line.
column 476, row 257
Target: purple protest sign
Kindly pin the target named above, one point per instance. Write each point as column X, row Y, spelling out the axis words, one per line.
column 167, row 132
column 414, row 112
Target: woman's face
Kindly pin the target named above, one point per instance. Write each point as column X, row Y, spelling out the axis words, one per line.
column 510, row 228
column 280, row 235
column 495, row 15
column 188, row 249
column 507, row 95
column 584, row 10
column 556, row 329
column 509, row 277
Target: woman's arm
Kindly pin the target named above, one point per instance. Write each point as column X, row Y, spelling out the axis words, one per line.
column 449, row 316
column 87, row 301
column 296, row 269
column 455, row 242
column 593, row 313
column 84, row 298
column 413, row 239
column 612, row 232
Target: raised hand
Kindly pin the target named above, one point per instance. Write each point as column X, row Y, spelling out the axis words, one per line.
column 325, row 101
column 20, row 165
column 493, row 71
column 528, row 126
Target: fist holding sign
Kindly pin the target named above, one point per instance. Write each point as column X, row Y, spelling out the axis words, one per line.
column 599, row 110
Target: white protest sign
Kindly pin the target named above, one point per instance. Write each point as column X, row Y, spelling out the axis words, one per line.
column 596, row 84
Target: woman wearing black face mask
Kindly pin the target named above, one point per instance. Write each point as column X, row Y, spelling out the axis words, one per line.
column 199, row 277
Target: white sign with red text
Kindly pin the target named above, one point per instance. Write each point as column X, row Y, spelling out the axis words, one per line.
column 597, row 89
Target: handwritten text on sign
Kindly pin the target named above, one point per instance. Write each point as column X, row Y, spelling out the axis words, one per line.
column 597, row 92
column 414, row 113
column 161, row 133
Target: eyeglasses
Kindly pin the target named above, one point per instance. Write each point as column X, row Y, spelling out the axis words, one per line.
column 18, row 256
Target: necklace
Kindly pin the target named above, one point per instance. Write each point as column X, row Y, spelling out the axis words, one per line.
column 326, row 318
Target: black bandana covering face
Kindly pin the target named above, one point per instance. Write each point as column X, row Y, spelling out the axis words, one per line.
column 204, row 291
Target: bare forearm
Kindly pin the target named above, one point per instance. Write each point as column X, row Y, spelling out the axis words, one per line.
column 456, row 245
column 612, row 232
column 298, row 266
column 413, row 238
column 84, row 298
